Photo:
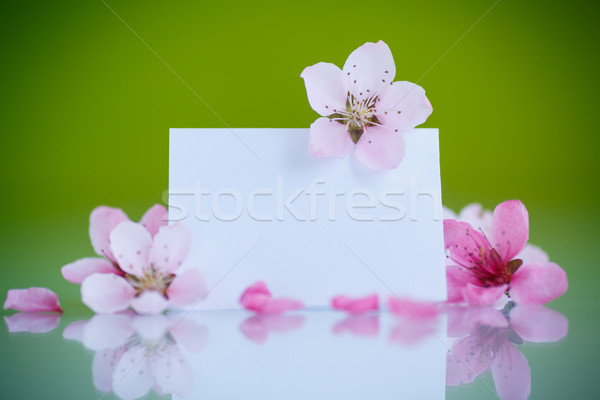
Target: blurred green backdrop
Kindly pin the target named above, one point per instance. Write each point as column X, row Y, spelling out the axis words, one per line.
column 86, row 106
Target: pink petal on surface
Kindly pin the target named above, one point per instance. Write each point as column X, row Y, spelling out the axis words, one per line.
column 149, row 302
column 170, row 247
column 468, row 358
column 359, row 325
column 329, row 138
column 156, row 217
column 187, row 288
column 356, row 305
column 106, row 293
column 32, row 322
column 410, row 309
column 483, row 296
column 511, row 373
column 533, row 253
column 403, row 106
column 457, row 278
column 34, row 299
column 538, row 324
column 105, row 331
column 380, row 148
column 132, row 377
column 325, row 88
column 102, row 221
column 477, row 217
column 538, row 283
column 258, row 298
column 130, row 243
column 510, row 229
column 77, row 271
column 464, row 244
column 369, row 69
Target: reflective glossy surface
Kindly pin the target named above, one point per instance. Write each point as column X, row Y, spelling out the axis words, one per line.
column 479, row 353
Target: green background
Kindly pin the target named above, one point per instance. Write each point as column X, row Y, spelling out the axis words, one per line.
column 87, row 103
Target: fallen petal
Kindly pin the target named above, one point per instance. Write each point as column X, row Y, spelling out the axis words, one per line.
column 34, row 299
column 410, row 309
column 356, row 305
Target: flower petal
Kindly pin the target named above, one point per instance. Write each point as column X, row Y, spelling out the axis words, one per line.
column 403, row 106
column 370, row 67
column 511, row 373
column 170, row 247
column 325, row 88
column 414, row 310
column 32, row 322
column 106, row 293
column 477, row 216
column 538, row 283
column 187, row 288
column 356, row 305
column 380, row 148
column 77, row 271
column 32, row 300
column 483, row 296
column 539, row 324
column 258, row 298
column 457, row 278
column 149, row 302
column 510, row 229
column 329, row 138
column 102, row 221
column 130, row 243
column 532, row 253
column 155, row 218
column 465, row 245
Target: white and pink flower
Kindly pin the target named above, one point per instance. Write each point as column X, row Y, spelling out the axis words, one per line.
column 486, row 265
column 140, row 271
column 361, row 104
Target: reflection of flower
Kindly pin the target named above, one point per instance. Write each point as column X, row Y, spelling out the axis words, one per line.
column 150, row 282
column 361, row 104
column 484, row 269
column 487, row 341
column 137, row 353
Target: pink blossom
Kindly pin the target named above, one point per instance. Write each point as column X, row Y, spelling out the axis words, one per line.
column 258, row 298
column 360, row 104
column 487, row 339
column 103, row 220
column 150, row 280
column 34, row 299
column 356, row 305
column 486, row 265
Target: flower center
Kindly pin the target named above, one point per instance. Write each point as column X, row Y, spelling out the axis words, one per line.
column 150, row 280
column 358, row 115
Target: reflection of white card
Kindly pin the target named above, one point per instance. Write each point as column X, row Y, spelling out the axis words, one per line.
column 318, row 356
column 261, row 207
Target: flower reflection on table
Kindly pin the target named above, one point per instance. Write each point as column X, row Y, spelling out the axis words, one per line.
column 487, row 338
column 137, row 353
